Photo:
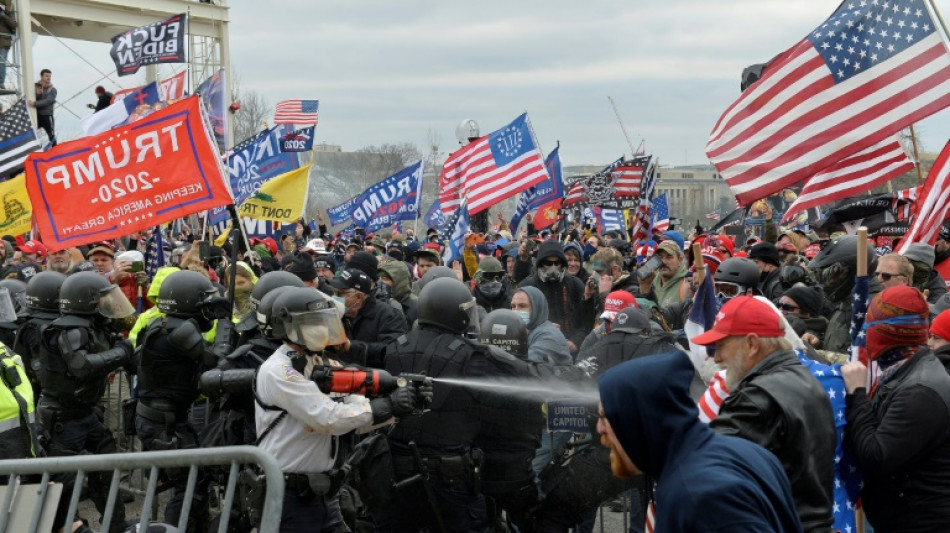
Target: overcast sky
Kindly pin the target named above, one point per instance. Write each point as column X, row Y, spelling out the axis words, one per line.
column 388, row 72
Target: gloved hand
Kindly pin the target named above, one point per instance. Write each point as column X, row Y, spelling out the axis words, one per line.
column 425, row 393
column 588, row 366
column 400, row 402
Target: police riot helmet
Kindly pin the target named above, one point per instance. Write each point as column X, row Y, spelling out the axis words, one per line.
column 42, row 292
column 16, row 288
column 307, row 318
column 88, row 293
column 447, row 303
column 436, row 272
column 264, row 312
column 505, row 329
column 271, row 281
column 836, row 265
column 152, row 527
column 183, row 293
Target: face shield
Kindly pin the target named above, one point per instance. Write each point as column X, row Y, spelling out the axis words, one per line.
column 471, row 309
column 114, row 304
column 7, row 309
column 316, row 329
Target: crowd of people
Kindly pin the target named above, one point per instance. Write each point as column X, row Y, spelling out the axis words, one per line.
column 773, row 427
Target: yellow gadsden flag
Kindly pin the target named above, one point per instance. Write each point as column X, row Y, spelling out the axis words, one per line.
column 282, row 198
column 17, row 210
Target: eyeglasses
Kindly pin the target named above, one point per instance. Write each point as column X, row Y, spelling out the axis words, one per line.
column 886, row 276
column 787, row 307
column 725, row 289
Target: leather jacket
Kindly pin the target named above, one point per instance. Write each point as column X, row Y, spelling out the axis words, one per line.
column 901, row 441
column 780, row 406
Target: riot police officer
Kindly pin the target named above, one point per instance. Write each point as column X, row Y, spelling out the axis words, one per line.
column 298, row 423
column 8, row 328
column 438, row 444
column 171, row 356
column 78, row 350
column 41, row 302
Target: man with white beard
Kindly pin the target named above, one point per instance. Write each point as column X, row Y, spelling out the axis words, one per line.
column 776, row 403
column 59, row 261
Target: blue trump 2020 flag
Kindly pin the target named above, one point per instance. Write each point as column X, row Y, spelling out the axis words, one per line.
column 542, row 193
column 435, row 218
column 340, row 213
column 393, row 199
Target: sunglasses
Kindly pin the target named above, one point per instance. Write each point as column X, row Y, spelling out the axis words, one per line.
column 787, row 307
column 548, row 263
column 493, row 276
column 885, row 276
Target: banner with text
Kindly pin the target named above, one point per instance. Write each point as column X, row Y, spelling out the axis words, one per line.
column 393, row 199
column 297, row 141
column 17, row 208
column 172, row 88
column 340, row 214
column 283, row 198
column 128, row 179
column 158, row 42
column 252, row 163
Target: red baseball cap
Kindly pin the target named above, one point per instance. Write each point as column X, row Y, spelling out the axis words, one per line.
column 617, row 301
column 34, row 247
column 740, row 316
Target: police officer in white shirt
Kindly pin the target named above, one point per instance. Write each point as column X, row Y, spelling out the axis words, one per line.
column 298, row 423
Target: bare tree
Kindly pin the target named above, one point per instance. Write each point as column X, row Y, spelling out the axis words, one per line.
column 253, row 115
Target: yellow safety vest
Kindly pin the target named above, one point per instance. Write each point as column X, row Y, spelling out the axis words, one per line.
column 15, row 393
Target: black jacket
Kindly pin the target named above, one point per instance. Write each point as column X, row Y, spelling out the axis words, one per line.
column 566, row 305
column 901, row 441
column 937, row 287
column 374, row 326
column 783, row 408
column 771, row 285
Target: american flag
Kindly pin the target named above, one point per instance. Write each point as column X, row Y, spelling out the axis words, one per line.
column 492, row 168
column 641, row 220
column 905, row 200
column 853, row 175
column 713, row 215
column 661, row 214
column 872, row 68
column 296, row 112
column 154, row 253
column 933, row 201
column 17, row 137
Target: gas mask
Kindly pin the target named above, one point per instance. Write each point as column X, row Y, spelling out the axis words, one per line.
column 551, row 273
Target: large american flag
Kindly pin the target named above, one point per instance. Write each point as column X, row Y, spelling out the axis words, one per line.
column 853, row 175
column 492, row 168
column 17, row 137
column 641, row 219
column 661, row 214
column 296, row 112
column 871, row 69
column 933, row 202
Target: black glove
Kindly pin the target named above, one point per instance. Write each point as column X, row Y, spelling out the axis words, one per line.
column 425, row 393
column 400, row 402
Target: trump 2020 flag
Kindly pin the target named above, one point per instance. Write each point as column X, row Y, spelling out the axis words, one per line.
column 546, row 192
column 391, row 200
column 340, row 213
column 492, row 168
column 871, row 69
column 435, row 218
column 119, row 112
column 158, row 42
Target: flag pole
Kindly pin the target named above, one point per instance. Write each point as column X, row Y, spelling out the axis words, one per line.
column 913, row 140
column 943, row 24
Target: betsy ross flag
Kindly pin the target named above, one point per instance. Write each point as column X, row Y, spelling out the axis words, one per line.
column 933, row 201
column 17, row 137
column 661, row 214
column 870, row 70
column 296, row 112
column 492, row 168
column 853, row 175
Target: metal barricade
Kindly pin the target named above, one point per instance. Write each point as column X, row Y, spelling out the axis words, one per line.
column 234, row 456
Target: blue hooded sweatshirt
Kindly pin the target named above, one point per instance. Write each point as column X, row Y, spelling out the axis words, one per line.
column 546, row 343
column 705, row 482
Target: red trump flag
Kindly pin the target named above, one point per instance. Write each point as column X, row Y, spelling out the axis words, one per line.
column 127, row 179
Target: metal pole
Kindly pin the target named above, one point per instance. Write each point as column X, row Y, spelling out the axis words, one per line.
column 622, row 127
column 913, row 140
column 25, row 31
